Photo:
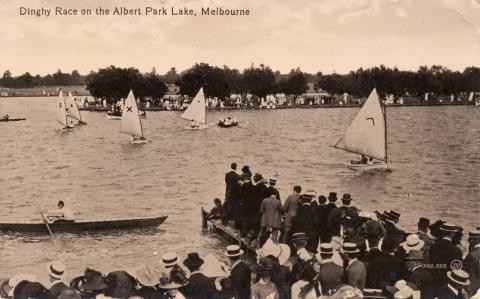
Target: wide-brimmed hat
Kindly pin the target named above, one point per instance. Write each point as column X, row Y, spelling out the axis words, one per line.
column 449, row 227
column 148, row 276
column 332, row 196
column 94, row 281
column 298, row 236
column 213, row 267
column 193, row 261
column 56, row 269
column 233, row 250
column 280, row 251
column 459, row 277
column 349, row 247
column 326, row 248
column 401, row 289
column 173, row 278
column 169, row 259
column 347, row 197
column 413, row 242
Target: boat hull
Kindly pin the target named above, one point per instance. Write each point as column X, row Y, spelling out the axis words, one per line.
column 11, row 119
column 377, row 166
column 83, row 225
column 223, row 125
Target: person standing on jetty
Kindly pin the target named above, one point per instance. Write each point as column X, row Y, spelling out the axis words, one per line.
column 272, row 189
column 231, row 179
column 290, row 209
column 271, row 211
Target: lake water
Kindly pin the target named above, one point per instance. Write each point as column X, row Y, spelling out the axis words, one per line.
column 94, row 169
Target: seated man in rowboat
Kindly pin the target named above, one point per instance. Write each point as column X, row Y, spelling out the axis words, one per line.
column 63, row 214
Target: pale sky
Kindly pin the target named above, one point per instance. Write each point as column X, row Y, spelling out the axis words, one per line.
column 315, row 35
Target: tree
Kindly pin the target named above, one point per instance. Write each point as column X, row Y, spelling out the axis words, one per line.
column 295, row 83
column 7, row 80
column 259, row 81
column 154, row 86
column 214, row 80
column 171, row 76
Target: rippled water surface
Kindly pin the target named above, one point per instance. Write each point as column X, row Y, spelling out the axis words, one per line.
column 435, row 153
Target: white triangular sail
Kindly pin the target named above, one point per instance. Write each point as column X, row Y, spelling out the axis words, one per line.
column 131, row 123
column 72, row 108
column 366, row 134
column 61, row 112
column 196, row 111
column 470, row 97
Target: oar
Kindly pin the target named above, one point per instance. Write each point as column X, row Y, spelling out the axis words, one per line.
column 49, row 230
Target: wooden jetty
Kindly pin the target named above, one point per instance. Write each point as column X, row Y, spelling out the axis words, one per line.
column 227, row 233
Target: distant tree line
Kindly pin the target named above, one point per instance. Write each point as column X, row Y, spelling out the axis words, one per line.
column 27, row 80
column 113, row 83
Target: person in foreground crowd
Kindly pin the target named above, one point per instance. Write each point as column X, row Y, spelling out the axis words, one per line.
column 265, row 288
column 237, row 284
column 56, row 271
column 356, row 272
column 199, row 285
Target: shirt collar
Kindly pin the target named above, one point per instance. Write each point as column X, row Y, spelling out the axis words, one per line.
column 55, row 282
column 447, row 238
column 454, row 290
column 326, row 261
column 415, row 268
column 477, row 246
column 236, row 263
column 194, row 272
column 351, row 262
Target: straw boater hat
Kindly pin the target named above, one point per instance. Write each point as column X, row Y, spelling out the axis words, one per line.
column 448, row 227
column 233, row 251
column 298, row 237
column 326, row 248
column 459, row 277
column 413, row 243
column 148, row 276
column 392, row 215
column 280, row 251
column 169, row 259
column 474, row 234
column 350, row 248
column 56, row 269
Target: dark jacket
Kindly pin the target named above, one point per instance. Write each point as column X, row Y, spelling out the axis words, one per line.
column 199, row 286
column 330, row 276
column 471, row 265
column 273, row 191
column 423, row 280
column 238, row 283
column 55, row 290
column 442, row 253
column 306, row 221
column 395, row 233
column 231, row 179
column 446, row 293
column 384, row 270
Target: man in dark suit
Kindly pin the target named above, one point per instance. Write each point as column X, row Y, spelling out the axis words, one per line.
column 444, row 255
column 237, row 285
column 272, row 189
column 423, row 226
column 331, row 274
column 471, row 264
column 55, row 270
column 321, row 209
column 356, row 270
column 199, row 286
column 331, row 205
column 385, row 269
column 337, row 215
column 455, row 288
column 418, row 275
column 245, row 198
column 231, row 179
column 306, row 221
column 258, row 193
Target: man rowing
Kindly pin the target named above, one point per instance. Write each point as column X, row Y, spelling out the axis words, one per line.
column 63, row 214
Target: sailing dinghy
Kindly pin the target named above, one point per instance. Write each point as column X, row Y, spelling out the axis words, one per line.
column 197, row 112
column 367, row 136
column 72, row 109
column 131, row 123
column 62, row 116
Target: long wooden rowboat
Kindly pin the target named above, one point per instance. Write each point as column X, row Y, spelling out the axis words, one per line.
column 83, row 225
column 11, row 119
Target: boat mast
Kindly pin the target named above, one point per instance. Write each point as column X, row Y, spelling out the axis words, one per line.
column 385, row 125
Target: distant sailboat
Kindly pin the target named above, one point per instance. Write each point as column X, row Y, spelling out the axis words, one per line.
column 62, row 117
column 72, row 109
column 367, row 136
column 131, row 123
column 197, row 112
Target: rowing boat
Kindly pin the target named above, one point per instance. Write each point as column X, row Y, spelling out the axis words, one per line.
column 83, row 225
